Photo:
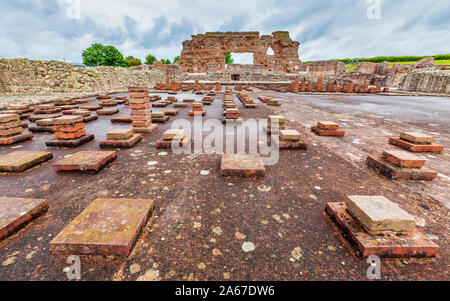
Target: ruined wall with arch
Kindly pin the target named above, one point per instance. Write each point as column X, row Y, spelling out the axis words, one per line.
column 205, row 52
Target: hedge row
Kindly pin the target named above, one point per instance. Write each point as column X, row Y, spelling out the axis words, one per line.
column 380, row 59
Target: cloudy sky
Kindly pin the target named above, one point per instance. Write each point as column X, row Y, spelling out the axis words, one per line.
column 326, row 29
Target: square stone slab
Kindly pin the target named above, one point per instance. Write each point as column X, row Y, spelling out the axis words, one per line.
column 67, row 120
column 107, row 227
column 403, row 159
column 125, row 143
column 20, row 161
column 275, row 118
column 172, row 134
column 16, row 213
column 242, row 166
column 415, row 244
column 416, row 137
column 86, row 161
column 121, row 119
column 328, row 125
column 291, row 135
column 158, row 114
column 9, row 117
column 120, row 134
column 378, row 215
column 107, row 111
column 416, row 148
column 321, row 132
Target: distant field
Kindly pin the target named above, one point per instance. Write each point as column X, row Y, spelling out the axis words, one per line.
column 439, row 59
column 350, row 67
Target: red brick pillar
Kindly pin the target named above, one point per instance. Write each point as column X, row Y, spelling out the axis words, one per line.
column 196, row 86
column 303, row 87
column 294, row 87
column 320, row 84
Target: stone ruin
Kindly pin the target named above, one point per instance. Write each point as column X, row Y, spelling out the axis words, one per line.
column 205, row 52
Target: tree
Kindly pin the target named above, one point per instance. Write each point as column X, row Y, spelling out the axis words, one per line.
column 176, row 59
column 132, row 61
column 228, row 58
column 150, row 59
column 99, row 55
column 166, row 61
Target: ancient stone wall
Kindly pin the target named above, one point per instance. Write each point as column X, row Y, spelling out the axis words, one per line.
column 31, row 76
column 428, row 81
column 325, row 68
column 205, row 52
column 237, row 68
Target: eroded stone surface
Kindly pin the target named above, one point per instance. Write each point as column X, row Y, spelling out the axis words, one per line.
column 15, row 213
column 242, row 166
column 86, row 161
column 377, row 214
column 120, row 134
column 106, row 227
column 22, row 160
column 415, row 137
column 414, row 244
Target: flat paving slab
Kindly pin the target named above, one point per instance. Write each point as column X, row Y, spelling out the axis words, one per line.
column 415, row 244
column 378, row 214
column 20, row 161
column 403, row 159
column 416, row 137
column 124, row 143
column 85, row 161
column 417, row 148
column 244, row 165
column 107, row 227
column 15, row 213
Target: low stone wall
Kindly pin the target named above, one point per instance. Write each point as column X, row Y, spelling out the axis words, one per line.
column 427, row 81
column 31, row 76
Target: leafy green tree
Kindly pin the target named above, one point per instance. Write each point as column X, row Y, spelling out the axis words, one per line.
column 150, row 59
column 228, row 58
column 166, row 61
column 176, row 59
column 99, row 55
column 132, row 61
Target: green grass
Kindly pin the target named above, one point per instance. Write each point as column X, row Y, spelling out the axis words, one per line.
column 440, row 59
column 350, row 67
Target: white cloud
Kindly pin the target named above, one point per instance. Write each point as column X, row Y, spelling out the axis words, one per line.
column 325, row 28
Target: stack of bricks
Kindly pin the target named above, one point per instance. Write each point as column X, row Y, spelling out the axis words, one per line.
column 328, row 128
column 104, row 96
column 273, row 102
column 23, row 110
column 275, row 123
column 377, row 226
column 238, row 88
column 417, row 143
column 11, row 130
column 248, row 89
column 171, row 137
column 161, row 104
column 218, row 87
column 69, row 132
column 197, row 109
column 124, row 138
column 171, row 99
column 86, row 114
column 141, row 115
column 401, row 165
column 207, row 100
column 159, row 117
column 107, row 102
column 47, row 109
column 289, row 139
column 246, row 100
column 43, row 126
